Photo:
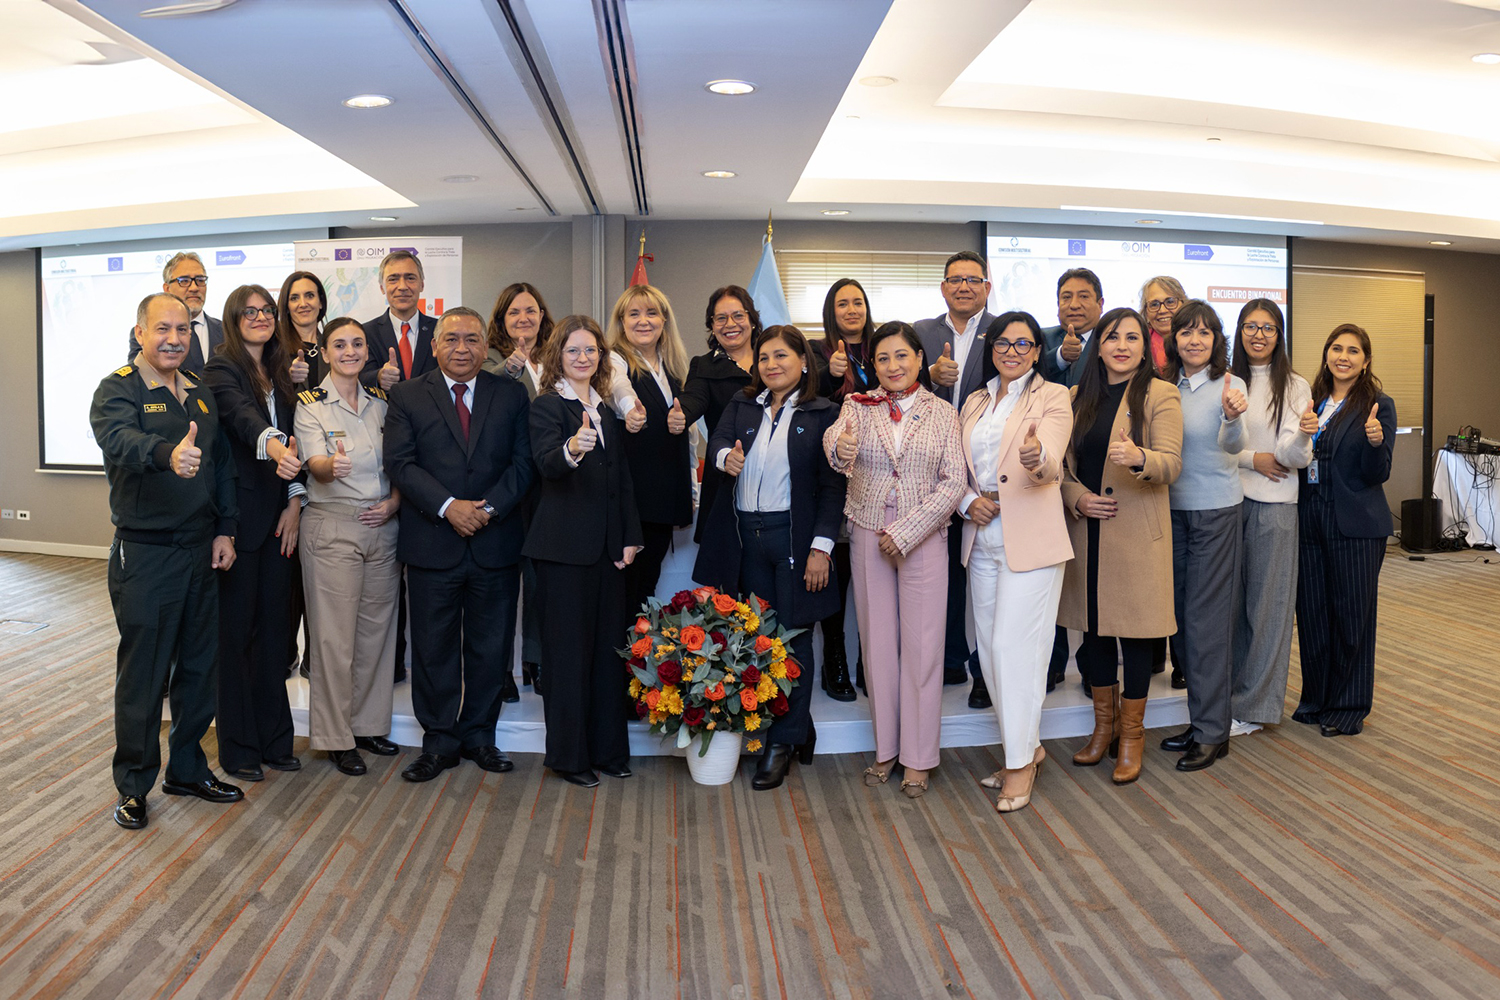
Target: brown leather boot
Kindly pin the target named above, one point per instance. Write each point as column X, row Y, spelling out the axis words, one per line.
column 1105, row 734
column 1132, row 740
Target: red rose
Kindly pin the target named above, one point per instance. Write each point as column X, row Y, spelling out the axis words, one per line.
column 779, row 705
column 792, row 670
column 719, row 638
column 640, row 710
column 693, row 716
column 634, row 661
column 670, row 672
column 765, row 605
column 683, row 600
column 751, row 674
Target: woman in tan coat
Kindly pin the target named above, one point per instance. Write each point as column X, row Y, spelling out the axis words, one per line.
column 1125, row 451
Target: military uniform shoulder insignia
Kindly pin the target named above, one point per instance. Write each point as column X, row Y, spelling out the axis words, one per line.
column 190, row 376
column 376, row 391
column 313, row 395
column 122, row 372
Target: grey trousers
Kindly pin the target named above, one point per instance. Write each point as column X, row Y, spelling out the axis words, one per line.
column 1206, row 584
column 1263, row 632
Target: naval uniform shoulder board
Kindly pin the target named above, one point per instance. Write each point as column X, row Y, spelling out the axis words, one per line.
column 122, row 372
column 313, row 395
column 376, row 391
column 190, row 376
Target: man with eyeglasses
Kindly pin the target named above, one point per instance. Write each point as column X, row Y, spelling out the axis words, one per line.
column 953, row 346
column 184, row 278
column 458, row 447
column 400, row 338
column 1080, row 302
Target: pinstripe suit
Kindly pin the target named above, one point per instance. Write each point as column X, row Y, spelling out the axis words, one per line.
column 1344, row 523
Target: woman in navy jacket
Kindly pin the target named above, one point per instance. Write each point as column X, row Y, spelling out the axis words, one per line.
column 1344, row 522
column 772, row 534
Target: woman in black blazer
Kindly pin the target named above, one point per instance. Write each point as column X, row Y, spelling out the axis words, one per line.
column 251, row 381
column 1344, row 522
column 771, row 530
column 585, row 533
column 646, row 352
column 714, row 378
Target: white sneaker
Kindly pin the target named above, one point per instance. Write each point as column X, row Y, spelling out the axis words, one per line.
column 1238, row 728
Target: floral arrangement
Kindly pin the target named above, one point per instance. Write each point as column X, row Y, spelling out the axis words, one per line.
column 708, row 662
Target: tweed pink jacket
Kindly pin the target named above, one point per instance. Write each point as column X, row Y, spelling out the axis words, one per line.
column 929, row 477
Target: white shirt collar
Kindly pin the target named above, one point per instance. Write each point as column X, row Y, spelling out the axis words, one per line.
column 415, row 321
column 565, row 390
column 453, row 382
column 1017, row 386
column 764, row 399
column 968, row 327
column 1196, row 382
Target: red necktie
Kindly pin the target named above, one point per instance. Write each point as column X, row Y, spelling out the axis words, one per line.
column 406, row 357
column 463, row 411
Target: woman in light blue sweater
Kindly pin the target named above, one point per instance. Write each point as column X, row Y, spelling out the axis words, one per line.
column 1205, row 503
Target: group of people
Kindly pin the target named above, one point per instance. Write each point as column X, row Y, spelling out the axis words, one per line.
column 1113, row 475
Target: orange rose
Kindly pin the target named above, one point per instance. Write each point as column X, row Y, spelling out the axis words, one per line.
column 748, row 701
column 724, row 604
column 704, row 593
column 652, row 697
column 642, row 626
column 641, row 647
column 693, row 636
column 792, row 670
column 765, row 605
column 714, row 693
column 762, row 643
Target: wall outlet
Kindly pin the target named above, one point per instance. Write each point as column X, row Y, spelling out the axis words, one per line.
column 23, row 515
column 7, row 514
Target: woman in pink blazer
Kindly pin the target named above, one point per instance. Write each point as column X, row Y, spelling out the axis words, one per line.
column 1016, row 428
column 900, row 448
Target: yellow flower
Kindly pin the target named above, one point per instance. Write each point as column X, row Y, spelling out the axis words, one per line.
column 664, row 650
column 687, row 676
column 778, row 649
column 635, row 688
column 752, row 622
column 753, row 746
column 671, row 700
column 777, row 669
column 766, row 689
column 752, row 722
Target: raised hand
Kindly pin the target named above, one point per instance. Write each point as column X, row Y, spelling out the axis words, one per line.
column 676, row 419
column 1374, row 433
column 1232, row 401
column 945, row 370
column 390, row 372
column 299, row 367
column 288, row 465
column 1309, row 423
column 1072, row 345
column 583, row 442
column 1123, row 451
column 1031, row 449
column 847, row 445
column 516, row 361
column 1265, row 463
column 838, row 363
column 734, row 462
column 635, row 419
column 342, row 465
column 187, row 456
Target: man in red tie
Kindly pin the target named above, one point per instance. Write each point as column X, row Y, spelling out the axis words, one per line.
column 400, row 338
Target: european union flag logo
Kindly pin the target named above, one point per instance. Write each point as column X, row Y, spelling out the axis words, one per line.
column 344, row 254
column 1078, row 248
column 116, row 263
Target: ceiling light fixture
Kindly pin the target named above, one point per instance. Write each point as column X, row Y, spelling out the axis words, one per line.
column 1487, row 58
column 835, row 211
column 187, row 7
column 382, row 218
column 719, row 174
column 877, row 81
column 366, row 102
column 460, row 179
column 730, row 88
column 1148, row 222
column 1213, row 138
column 1440, row 243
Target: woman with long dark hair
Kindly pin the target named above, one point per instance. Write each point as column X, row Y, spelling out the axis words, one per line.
column 1124, row 453
column 1344, row 522
column 518, row 330
column 300, row 310
column 251, row 380
column 715, row 376
column 1279, row 425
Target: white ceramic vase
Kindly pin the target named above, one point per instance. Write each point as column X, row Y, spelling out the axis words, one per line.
column 719, row 764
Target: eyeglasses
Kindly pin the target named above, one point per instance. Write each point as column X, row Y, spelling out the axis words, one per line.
column 960, row 280
column 574, row 353
column 1156, row 305
column 720, row 319
column 1262, row 328
column 191, row 279
column 1019, row 346
column 250, row 312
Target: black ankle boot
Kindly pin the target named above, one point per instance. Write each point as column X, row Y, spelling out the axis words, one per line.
column 836, row 672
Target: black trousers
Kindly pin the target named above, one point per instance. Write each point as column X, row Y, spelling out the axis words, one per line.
column 1099, row 662
column 166, row 604
column 642, row 575
column 255, row 618
column 463, row 628
column 766, row 571
column 584, row 694
column 1338, row 585
column 957, row 654
column 833, row 625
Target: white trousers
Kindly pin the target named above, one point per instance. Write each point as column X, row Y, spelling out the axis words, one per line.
column 1014, row 618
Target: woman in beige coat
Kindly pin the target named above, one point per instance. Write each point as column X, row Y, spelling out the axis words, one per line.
column 1125, row 451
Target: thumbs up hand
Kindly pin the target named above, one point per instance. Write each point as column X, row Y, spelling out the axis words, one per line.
column 838, row 363
column 288, row 464
column 1124, row 451
column 1233, row 401
column 847, row 446
column 1374, row 433
column 1072, row 345
column 1031, row 449
column 635, row 418
column 734, row 462
column 583, row 442
column 944, row 370
column 342, row 465
column 299, row 367
column 676, row 419
column 187, row 456
column 390, row 372
column 1309, row 423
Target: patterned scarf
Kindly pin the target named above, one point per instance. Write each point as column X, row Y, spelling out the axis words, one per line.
column 888, row 398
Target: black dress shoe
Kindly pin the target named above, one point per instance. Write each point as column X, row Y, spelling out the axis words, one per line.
column 376, row 745
column 130, row 812
column 210, row 789
column 614, row 770
column 836, row 676
column 508, row 691
column 1178, row 743
column 489, row 758
column 979, row 694
column 773, row 766
column 1328, row 730
column 251, row 773
column 528, row 673
column 428, row 766
column 348, row 761
column 1201, row 755
column 583, row 779
column 955, row 675
column 284, row 763
column 1178, row 680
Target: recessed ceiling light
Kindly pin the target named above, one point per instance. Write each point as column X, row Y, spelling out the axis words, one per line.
column 382, row 218
column 364, row 102
column 460, row 179
column 730, row 88
column 187, row 7
column 521, row 208
column 852, row 118
column 1148, row 222
column 1213, row 138
column 877, row 81
column 1440, row 243
column 835, row 211
column 1487, row 58
column 718, row 174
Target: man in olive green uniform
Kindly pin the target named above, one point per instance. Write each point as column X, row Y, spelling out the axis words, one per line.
column 172, row 501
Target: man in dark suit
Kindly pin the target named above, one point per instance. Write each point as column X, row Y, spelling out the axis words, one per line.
column 458, row 446
column 1080, row 301
column 953, row 345
column 399, row 339
column 184, row 278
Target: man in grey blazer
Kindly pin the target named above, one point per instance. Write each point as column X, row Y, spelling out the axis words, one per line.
column 953, row 345
column 1080, row 301
column 184, row 278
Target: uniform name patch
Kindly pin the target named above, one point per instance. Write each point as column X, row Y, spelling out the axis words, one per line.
column 155, row 408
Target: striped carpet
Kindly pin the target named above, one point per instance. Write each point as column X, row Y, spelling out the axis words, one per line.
column 1298, row 867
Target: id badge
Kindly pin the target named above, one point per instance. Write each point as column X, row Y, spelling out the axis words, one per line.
column 1312, row 471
